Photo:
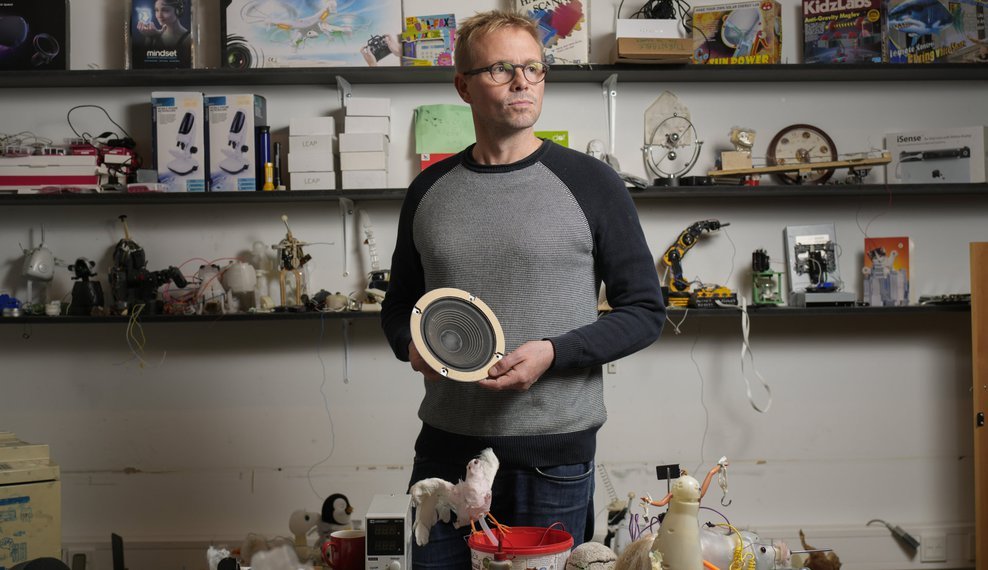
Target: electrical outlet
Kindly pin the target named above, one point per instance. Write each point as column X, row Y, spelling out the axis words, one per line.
column 612, row 367
column 933, row 547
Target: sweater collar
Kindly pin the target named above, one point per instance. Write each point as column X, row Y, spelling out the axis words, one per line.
column 471, row 164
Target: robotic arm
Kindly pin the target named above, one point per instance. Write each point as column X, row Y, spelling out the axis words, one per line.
column 673, row 258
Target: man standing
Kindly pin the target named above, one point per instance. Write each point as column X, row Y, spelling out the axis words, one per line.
column 532, row 229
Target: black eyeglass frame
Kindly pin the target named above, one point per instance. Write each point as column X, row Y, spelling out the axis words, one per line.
column 508, row 66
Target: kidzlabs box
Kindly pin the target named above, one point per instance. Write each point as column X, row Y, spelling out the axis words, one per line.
column 311, row 33
column 842, row 31
column 179, row 137
column 159, row 34
column 232, row 140
column 943, row 156
column 738, row 33
column 34, row 34
column 929, row 31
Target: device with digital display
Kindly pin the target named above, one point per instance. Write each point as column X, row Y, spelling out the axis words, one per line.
column 389, row 533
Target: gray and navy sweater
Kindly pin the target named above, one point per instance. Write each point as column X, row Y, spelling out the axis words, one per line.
column 534, row 240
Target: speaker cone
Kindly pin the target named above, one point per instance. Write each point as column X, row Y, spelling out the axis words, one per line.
column 457, row 334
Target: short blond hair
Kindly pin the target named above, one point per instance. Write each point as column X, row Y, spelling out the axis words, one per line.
column 477, row 27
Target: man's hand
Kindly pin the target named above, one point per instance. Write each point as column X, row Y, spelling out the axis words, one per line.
column 419, row 364
column 520, row 369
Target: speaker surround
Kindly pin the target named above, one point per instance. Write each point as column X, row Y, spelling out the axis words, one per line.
column 456, row 334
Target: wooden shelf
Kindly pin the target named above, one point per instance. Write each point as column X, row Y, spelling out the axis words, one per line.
column 674, row 314
column 651, row 193
column 231, row 318
column 558, row 74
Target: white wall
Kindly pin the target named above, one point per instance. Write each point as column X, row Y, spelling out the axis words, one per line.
column 225, row 431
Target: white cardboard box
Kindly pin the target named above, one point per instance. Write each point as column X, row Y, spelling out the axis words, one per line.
column 368, row 125
column 312, row 181
column 939, row 156
column 310, row 143
column 35, row 172
column 311, row 126
column 179, row 140
column 311, row 161
column 233, row 140
column 364, row 179
column 370, row 160
column 361, row 142
column 30, row 504
column 368, row 107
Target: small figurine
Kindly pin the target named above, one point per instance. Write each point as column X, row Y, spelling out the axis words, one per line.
column 39, row 267
column 209, row 290
column 87, row 296
column 434, row 498
column 291, row 259
column 336, row 510
column 130, row 281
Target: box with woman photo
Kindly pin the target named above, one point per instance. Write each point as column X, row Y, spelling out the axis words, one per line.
column 160, row 34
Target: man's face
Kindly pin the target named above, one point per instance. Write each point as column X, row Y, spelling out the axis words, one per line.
column 515, row 105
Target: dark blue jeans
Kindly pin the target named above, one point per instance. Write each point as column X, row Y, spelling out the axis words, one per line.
column 523, row 496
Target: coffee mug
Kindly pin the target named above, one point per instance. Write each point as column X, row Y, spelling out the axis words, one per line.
column 345, row 550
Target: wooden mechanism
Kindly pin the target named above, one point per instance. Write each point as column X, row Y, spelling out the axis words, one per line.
column 805, row 167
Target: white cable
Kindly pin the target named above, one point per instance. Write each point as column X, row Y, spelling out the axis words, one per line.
column 746, row 351
column 675, row 326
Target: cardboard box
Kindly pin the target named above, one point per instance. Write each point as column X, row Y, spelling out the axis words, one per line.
column 31, row 173
column 302, row 33
column 843, row 31
column 428, row 40
column 368, row 125
column 648, row 28
column 738, row 33
column 233, row 141
column 373, row 160
column 368, row 107
column 939, row 31
column 652, row 50
column 563, row 27
column 365, row 179
column 302, row 126
column 311, row 143
column 30, row 504
column 35, row 35
column 312, row 181
column 428, row 159
column 940, row 156
column 160, row 38
column 886, row 271
column 178, row 136
column 311, row 161
column 359, row 142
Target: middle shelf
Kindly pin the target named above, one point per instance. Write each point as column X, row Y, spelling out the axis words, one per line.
column 651, row 193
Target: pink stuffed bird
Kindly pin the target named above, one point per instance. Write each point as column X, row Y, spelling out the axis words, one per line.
column 434, row 498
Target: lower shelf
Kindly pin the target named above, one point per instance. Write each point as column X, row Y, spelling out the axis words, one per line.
column 311, row 316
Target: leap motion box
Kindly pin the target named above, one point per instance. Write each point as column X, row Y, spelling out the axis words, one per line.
column 940, row 156
column 179, row 140
column 34, row 34
column 310, row 33
column 738, row 33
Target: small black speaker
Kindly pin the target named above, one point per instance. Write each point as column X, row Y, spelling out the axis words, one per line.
column 457, row 334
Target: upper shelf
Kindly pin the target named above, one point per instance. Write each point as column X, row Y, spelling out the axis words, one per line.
column 562, row 74
column 652, row 193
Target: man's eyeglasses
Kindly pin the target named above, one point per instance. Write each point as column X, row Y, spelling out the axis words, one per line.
column 504, row 72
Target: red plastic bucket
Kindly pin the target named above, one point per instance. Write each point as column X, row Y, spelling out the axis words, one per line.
column 526, row 547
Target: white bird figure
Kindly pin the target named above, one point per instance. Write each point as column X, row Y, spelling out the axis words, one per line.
column 434, row 498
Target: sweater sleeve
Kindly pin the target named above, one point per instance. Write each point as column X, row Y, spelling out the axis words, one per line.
column 623, row 263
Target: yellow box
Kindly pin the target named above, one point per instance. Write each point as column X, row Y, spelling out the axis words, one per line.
column 30, row 505
column 739, row 33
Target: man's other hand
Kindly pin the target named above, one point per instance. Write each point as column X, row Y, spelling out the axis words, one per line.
column 520, row 369
column 419, row 364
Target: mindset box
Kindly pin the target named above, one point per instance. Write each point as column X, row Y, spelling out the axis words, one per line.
column 943, row 156
column 738, row 33
column 842, row 31
column 178, row 137
column 34, row 34
column 159, row 34
column 311, row 33
column 931, row 31
column 233, row 140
